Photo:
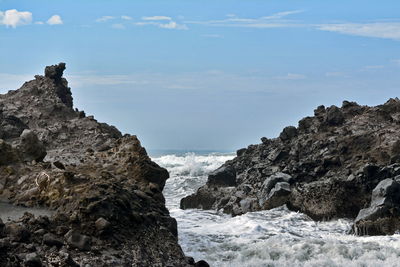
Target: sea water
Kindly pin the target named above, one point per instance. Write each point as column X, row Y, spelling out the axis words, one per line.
column 277, row 237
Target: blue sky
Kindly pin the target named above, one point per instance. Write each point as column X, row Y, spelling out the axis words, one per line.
column 205, row 74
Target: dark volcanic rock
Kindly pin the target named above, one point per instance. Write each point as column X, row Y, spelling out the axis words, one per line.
column 223, row 176
column 383, row 215
column 31, row 147
column 334, row 160
column 102, row 187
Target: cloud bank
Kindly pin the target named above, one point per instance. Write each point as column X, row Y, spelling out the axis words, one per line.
column 13, row 18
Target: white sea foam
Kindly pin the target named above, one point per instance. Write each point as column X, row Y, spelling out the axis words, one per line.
column 276, row 237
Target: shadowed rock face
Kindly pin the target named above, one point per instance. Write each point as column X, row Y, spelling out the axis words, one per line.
column 334, row 160
column 87, row 174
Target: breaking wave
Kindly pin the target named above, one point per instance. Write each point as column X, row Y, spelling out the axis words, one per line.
column 277, row 237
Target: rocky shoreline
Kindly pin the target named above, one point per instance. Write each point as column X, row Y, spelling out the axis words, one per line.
column 103, row 190
column 340, row 163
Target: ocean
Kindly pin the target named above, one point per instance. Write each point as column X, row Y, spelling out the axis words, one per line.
column 276, row 237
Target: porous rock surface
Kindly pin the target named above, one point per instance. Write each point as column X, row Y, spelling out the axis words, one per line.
column 104, row 191
column 340, row 163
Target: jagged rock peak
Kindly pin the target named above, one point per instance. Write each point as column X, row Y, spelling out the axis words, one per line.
column 55, row 72
column 60, row 84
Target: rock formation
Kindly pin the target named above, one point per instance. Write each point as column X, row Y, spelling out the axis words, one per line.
column 103, row 189
column 340, row 163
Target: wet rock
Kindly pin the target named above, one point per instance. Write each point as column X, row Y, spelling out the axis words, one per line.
column 278, row 177
column 387, row 193
column 241, row 152
column 201, row 263
column 190, row 260
column 223, row 176
column 278, row 196
column 383, row 215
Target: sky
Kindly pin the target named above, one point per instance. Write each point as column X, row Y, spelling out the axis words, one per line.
column 205, row 75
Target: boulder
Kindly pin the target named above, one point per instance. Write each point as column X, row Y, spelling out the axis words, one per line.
column 32, row 260
column 270, row 181
column 223, row 176
column 278, row 196
column 8, row 155
column 52, row 240
column 383, row 215
column 11, row 127
column 17, row 232
column 77, row 240
column 288, row 133
column 31, row 147
column 334, row 116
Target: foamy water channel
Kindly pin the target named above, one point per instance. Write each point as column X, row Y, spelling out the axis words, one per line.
column 276, row 237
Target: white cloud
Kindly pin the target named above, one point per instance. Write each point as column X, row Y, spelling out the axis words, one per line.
column 280, row 15
column 126, row 17
column 157, row 18
column 272, row 21
column 386, row 30
column 55, row 20
column 291, row 76
column 172, row 25
column 13, row 18
column 39, row 22
column 105, row 18
column 118, row 26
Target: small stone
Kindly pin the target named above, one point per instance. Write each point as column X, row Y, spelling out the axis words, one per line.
column 77, row 240
column 59, row 165
column 51, row 240
column 102, row 224
column 17, row 232
column 32, row 260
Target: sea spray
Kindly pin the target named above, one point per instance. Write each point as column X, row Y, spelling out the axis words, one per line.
column 276, row 237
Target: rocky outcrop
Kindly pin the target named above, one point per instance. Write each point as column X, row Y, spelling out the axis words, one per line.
column 340, row 163
column 103, row 189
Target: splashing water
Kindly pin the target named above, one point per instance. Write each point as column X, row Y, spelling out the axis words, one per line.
column 275, row 237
